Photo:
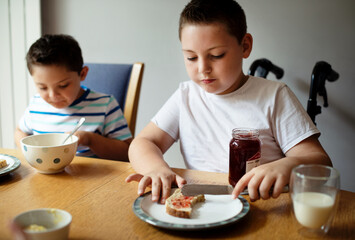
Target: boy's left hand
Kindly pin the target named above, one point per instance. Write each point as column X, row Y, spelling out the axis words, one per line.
column 83, row 138
column 261, row 179
column 104, row 147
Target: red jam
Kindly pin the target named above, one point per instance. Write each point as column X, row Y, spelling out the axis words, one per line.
column 244, row 153
column 182, row 202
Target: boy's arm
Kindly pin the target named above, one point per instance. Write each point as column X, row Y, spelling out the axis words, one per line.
column 277, row 174
column 146, row 156
column 104, row 147
column 18, row 136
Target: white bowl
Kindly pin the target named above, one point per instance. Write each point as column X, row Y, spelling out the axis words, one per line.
column 55, row 221
column 47, row 154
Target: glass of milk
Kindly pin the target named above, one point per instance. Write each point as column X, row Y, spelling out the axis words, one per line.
column 314, row 192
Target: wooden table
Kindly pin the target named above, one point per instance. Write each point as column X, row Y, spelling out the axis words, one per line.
column 95, row 193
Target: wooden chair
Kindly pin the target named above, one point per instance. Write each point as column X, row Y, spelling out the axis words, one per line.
column 122, row 81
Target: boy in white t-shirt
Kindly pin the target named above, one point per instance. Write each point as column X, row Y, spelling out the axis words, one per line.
column 203, row 112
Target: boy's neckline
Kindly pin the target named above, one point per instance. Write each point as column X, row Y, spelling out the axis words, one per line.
column 83, row 96
column 238, row 90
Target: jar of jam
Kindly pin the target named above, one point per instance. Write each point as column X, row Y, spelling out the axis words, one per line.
column 244, row 153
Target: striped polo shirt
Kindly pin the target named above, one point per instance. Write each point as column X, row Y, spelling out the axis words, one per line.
column 102, row 113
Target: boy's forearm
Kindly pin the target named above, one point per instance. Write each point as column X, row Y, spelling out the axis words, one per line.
column 310, row 158
column 108, row 148
column 145, row 156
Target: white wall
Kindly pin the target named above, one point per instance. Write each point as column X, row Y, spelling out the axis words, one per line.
column 124, row 31
column 19, row 26
column 292, row 34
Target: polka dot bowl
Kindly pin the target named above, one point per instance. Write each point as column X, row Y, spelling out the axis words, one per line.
column 47, row 154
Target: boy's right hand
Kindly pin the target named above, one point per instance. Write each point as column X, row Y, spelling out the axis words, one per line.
column 160, row 182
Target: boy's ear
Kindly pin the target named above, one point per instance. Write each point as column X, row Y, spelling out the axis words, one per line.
column 247, row 44
column 84, row 73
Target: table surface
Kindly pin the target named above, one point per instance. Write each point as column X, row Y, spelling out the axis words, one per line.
column 94, row 191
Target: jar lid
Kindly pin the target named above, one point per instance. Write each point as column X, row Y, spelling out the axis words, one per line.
column 245, row 133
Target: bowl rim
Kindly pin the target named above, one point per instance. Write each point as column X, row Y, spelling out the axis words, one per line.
column 65, row 225
column 60, row 145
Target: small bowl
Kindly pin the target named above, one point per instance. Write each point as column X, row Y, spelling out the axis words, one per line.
column 47, row 154
column 55, row 221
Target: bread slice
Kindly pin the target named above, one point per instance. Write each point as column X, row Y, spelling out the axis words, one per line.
column 3, row 163
column 178, row 205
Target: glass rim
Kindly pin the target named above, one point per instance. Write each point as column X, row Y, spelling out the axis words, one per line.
column 302, row 175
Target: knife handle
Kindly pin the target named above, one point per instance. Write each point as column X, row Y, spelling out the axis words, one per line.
column 285, row 189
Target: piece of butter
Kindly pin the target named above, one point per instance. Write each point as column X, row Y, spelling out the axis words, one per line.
column 35, row 228
column 57, row 218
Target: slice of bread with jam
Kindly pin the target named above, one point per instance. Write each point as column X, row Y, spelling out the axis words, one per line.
column 3, row 163
column 178, row 205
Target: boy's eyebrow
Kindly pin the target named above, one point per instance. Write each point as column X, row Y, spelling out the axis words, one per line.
column 65, row 79
column 220, row 46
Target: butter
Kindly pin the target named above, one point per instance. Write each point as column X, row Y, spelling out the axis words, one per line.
column 35, row 228
column 57, row 218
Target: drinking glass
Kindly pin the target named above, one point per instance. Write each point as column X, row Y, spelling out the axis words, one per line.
column 314, row 192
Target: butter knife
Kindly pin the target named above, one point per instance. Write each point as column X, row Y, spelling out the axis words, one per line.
column 196, row 189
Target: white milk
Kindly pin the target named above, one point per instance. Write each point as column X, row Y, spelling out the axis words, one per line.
column 312, row 209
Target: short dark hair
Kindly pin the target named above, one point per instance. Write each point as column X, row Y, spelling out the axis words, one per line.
column 59, row 49
column 227, row 12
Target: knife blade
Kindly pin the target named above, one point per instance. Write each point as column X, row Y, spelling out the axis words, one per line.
column 196, row 189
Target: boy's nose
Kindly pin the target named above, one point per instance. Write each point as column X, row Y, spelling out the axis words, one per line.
column 53, row 94
column 204, row 67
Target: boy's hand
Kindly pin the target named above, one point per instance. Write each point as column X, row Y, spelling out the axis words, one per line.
column 83, row 138
column 261, row 179
column 160, row 181
column 104, row 147
column 17, row 231
column 277, row 174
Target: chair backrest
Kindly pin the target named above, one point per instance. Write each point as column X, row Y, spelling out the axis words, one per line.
column 123, row 81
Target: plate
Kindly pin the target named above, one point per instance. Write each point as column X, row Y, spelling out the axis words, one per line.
column 12, row 164
column 216, row 211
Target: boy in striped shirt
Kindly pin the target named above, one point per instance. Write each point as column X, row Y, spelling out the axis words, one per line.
column 56, row 65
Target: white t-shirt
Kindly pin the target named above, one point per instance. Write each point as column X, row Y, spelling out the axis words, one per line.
column 204, row 122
